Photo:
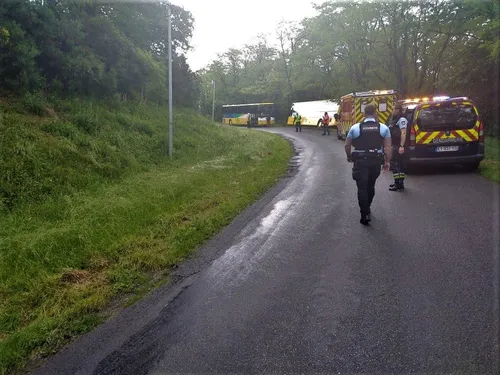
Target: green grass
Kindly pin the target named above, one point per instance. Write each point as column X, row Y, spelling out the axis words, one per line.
column 490, row 166
column 93, row 211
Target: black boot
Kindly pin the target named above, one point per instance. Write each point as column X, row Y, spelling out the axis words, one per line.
column 365, row 219
column 394, row 186
column 401, row 184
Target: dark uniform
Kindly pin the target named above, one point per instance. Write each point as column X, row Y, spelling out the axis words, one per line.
column 368, row 141
column 397, row 161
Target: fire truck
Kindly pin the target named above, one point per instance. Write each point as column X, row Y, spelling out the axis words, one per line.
column 443, row 130
column 352, row 106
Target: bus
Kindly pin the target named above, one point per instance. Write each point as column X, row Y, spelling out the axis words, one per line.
column 254, row 114
column 312, row 112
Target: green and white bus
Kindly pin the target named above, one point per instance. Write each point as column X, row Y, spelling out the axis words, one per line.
column 254, row 114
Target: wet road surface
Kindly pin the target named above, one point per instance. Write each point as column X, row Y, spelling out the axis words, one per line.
column 296, row 285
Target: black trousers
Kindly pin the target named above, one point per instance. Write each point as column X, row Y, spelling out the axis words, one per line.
column 397, row 164
column 326, row 129
column 298, row 126
column 365, row 173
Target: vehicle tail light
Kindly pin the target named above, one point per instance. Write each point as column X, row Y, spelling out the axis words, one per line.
column 413, row 136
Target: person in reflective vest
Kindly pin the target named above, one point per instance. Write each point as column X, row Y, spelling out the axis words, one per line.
column 298, row 125
column 372, row 148
column 398, row 134
column 325, row 120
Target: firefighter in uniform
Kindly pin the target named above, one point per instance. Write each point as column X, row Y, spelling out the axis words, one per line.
column 325, row 121
column 398, row 134
column 298, row 125
column 372, row 148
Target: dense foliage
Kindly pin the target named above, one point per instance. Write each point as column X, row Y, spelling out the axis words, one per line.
column 417, row 47
column 117, row 49
column 91, row 48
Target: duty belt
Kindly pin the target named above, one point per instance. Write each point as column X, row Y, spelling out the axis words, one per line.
column 367, row 155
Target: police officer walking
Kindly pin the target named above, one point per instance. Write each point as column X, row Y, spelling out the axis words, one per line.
column 298, row 125
column 325, row 121
column 372, row 148
column 398, row 134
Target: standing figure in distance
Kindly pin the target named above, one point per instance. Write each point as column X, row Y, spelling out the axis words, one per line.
column 325, row 120
column 298, row 125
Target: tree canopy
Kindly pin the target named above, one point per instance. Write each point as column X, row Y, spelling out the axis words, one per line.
column 102, row 49
column 417, row 47
column 94, row 48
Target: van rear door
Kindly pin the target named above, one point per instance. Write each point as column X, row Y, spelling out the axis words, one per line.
column 447, row 129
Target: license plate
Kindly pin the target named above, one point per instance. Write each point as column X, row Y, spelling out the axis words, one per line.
column 447, row 148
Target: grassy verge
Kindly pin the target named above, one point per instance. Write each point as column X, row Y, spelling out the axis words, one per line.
column 490, row 166
column 103, row 210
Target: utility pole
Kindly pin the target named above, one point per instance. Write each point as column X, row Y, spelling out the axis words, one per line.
column 213, row 101
column 170, row 114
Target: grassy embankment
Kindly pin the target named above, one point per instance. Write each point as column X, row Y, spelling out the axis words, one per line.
column 92, row 211
column 490, row 166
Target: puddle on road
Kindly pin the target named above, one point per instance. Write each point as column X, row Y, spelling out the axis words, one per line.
column 238, row 260
column 277, row 212
column 240, row 255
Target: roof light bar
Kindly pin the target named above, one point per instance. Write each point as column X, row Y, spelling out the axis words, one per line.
column 438, row 98
column 416, row 100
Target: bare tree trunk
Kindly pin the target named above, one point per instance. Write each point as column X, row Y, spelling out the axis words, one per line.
column 285, row 64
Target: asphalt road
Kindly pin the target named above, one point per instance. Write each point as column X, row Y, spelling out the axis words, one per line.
column 296, row 285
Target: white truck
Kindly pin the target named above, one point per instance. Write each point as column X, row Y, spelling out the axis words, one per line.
column 312, row 112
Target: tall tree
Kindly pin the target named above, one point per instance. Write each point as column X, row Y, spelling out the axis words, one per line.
column 94, row 48
column 417, row 47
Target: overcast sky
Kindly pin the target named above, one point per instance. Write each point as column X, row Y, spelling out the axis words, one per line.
column 223, row 24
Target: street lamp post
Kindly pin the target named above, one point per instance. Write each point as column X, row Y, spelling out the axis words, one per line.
column 213, row 101
column 170, row 114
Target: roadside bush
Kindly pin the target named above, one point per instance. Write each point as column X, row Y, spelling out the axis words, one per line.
column 34, row 104
column 87, row 121
column 61, row 129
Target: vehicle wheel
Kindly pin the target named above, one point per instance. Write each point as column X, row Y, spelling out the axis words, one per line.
column 472, row 167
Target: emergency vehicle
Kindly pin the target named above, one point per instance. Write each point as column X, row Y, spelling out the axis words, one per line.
column 443, row 130
column 352, row 106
